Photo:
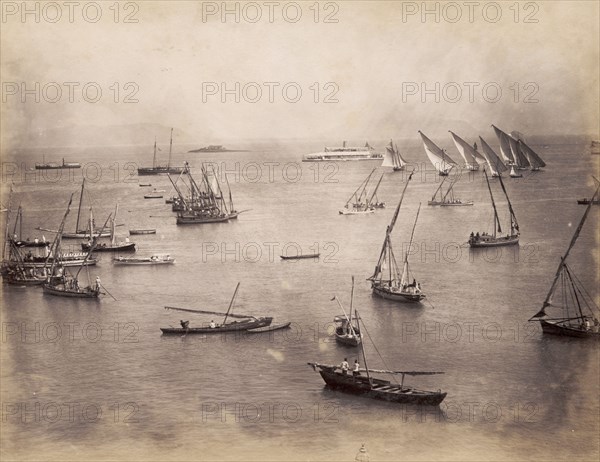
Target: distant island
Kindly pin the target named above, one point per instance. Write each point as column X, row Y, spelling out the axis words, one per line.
column 217, row 148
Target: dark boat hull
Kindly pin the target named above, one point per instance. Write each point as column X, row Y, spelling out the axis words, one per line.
column 108, row 248
column 235, row 326
column 81, row 293
column 197, row 220
column 384, row 292
column 299, row 257
column 490, row 241
column 556, row 328
column 159, row 170
column 380, row 390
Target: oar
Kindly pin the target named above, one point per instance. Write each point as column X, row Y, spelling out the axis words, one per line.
column 108, row 292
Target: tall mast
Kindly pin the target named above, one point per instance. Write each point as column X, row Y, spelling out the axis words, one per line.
column 496, row 219
column 362, row 347
column 154, row 158
column 439, row 187
column 351, row 301
column 231, row 303
column 405, row 268
column 375, row 190
column 450, row 188
column 170, row 149
column 79, row 208
column 513, row 218
column 113, row 237
column 55, row 248
column 389, row 230
column 541, row 313
column 90, row 250
column 345, row 315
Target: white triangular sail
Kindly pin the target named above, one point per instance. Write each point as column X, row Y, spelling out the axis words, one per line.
column 520, row 159
column 466, row 151
column 440, row 160
column 505, row 151
column 496, row 165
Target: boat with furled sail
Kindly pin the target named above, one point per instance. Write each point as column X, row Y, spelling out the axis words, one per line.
column 60, row 281
column 371, row 387
column 447, row 199
column 494, row 239
column 361, row 201
column 113, row 245
column 158, row 169
column 206, row 202
column 347, row 330
column 247, row 321
column 470, row 155
column 393, row 158
column 495, row 164
column 438, row 157
column 580, row 314
column 393, row 284
column 80, row 233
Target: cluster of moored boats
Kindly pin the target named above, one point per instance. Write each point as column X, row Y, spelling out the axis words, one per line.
column 206, row 201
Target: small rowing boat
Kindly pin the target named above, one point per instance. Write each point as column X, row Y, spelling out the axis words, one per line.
column 143, row 231
column 258, row 330
column 299, row 256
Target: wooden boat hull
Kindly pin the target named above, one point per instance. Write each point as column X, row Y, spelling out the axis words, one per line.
column 108, row 248
column 270, row 328
column 142, row 231
column 153, row 196
column 12, row 280
column 357, row 212
column 587, row 201
column 159, row 170
column 490, row 241
column 81, row 293
column 456, row 204
column 30, row 243
column 142, row 261
column 235, row 326
column 406, row 297
column 349, row 340
column 196, row 220
column 556, row 328
column 380, row 390
column 299, row 257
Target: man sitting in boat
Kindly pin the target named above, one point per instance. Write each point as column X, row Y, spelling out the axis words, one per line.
column 212, row 325
column 184, row 324
column 356, row 370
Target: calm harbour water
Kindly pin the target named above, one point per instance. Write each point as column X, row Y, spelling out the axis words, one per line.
column 96, row 379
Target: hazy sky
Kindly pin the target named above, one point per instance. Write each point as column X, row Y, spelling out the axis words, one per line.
column 377, row 57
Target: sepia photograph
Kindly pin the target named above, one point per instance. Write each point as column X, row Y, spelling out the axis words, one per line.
column 352, row 230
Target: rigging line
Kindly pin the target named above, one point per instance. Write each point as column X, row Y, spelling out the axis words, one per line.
column 381, row 357
column 582, row 288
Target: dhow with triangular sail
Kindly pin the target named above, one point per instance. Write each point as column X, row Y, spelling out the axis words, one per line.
column 579, row 316
column 387, row 280
column 496, row 239
column 438, row 157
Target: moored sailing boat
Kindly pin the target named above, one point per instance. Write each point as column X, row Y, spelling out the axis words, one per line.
column 206, row 203
column 158, row 169
column 447, row 199
column 580, row 314
column 113, row 246
column 392, row 284
column 60, row 282
column 393, row 158
column 347, row 332
column 494, row 240
column 80, row 233
column 247, row 322
column 371, row 387
column 438, row 157
column 359, row 202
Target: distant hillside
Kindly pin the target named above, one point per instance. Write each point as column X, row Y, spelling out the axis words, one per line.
column 112, row 135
